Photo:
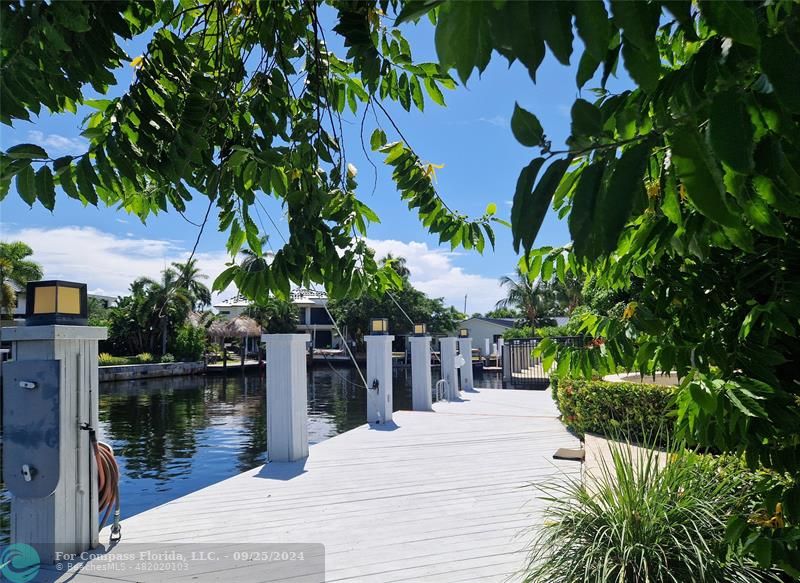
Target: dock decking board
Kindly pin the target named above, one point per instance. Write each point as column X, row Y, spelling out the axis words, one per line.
column 445, row 496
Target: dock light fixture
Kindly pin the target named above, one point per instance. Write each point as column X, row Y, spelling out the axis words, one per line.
column 463, row 333
column 56, row 302
column 420, row 329
column 379, row 326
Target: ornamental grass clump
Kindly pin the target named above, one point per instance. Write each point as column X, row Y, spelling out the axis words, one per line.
column 640, row 518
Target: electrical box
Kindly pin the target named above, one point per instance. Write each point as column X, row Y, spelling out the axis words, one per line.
column 31, row 427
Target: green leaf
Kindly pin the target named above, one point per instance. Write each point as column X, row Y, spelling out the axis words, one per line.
column 616, row 201
column 760, row 215
column 586, row 119
column 86, row 179
column 581, row 216
column 731, row 131
column 515, row 34
column 63, row 169
column 434, row 92
column 414, row 9
column 526, row 127
column 533, row 206
column 26, row 151
column 780, row 60
column 703, row 397
column 682, row 11
column 638, row 21
column 554, row 23
column 45, row 188
column 377, row 139
column 225, row 278
column 463, row 37
column 643, row 64
column 416, row 93
column 733, row 19
column 594, row 28
column 525, row 182
column 700, row 175
column 26, row 186
column 587, row 67
column 491, row 208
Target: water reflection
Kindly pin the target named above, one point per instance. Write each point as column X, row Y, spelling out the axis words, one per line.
column 174, row 436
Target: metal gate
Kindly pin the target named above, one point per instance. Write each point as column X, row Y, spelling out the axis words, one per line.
column 522, row 369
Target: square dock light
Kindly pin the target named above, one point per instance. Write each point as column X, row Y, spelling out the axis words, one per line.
column 379, row 326
column 420, row 329
column 56, row 302
column 463, row 333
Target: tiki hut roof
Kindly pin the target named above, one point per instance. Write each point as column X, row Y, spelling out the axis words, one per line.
column 242, row 327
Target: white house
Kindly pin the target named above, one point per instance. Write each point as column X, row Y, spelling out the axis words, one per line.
column 312, row 316
column 481, row 329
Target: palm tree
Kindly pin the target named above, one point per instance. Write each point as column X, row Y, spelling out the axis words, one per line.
column 274, row 315
column 165, row 301
column 251, row 261
column 398, row 264
column 532, row 298
column 567, row 294
column 15, row 272
column 190, row 277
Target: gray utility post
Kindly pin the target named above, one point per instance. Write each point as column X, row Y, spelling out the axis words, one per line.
column 50, row 401
column 379, row 378
column 421, row 373
column 465, row 348
column 447, row 348
column 287, row 396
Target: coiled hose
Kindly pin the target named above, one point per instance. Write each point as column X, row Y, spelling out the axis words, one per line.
column 107, row 485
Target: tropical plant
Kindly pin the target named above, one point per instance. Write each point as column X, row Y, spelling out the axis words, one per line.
column 639, row 412
column 165, row 302
column 189, row 342
column 190, row 278
column 144, row 358
column 502, row 313
column 686, row 185
column 533, row 298
column 398, row 264
column 198, row 116
column 638, row 518
column 167, row 358
column 16, row 270
column 274, row 315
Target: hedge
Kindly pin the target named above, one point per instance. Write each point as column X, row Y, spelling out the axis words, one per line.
column 633, row 411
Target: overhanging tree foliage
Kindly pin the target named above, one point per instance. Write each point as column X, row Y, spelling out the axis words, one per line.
column 691, row 183
column 235, row 101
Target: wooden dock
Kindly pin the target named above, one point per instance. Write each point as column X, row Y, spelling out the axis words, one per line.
column 445, row 496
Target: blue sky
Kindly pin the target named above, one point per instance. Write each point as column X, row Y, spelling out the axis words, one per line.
column 471, row 137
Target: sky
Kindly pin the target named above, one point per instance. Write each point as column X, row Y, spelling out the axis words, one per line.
column 108, row 249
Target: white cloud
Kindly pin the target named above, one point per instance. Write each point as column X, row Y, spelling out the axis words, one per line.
column 58, row 143
column 109, row 262
column 433, row 271
column 499, row 121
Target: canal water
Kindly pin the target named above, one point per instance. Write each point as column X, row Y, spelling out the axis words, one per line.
column 176, row 435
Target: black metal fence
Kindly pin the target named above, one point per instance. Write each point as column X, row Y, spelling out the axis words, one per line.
column 521, row 368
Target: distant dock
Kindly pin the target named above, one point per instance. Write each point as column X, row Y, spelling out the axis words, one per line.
column 442, row 496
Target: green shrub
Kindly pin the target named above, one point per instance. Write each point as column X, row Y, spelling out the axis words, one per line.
column 105, row 359
column 167, row 358
column 639, row 520
column 628, row 410
column 189, row 343
column 144, row 358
